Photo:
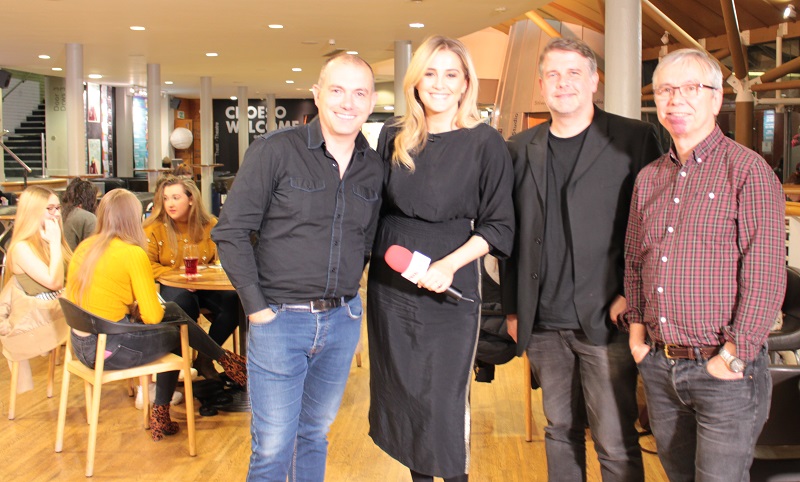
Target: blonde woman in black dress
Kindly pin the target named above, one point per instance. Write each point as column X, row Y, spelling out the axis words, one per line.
column 448, row 196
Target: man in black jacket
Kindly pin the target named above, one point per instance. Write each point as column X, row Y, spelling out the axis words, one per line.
column 562, row 288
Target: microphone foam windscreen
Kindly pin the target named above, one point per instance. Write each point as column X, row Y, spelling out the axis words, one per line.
column 398, row 258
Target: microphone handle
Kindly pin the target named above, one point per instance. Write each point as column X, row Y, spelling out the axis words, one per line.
column 455, row 294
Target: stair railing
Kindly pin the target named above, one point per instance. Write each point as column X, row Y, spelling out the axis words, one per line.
column 25, row 168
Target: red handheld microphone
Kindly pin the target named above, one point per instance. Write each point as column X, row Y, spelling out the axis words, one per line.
column 412, row 266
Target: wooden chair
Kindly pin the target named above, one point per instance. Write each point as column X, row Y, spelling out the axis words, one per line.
column 12, row 398
column 84, row 321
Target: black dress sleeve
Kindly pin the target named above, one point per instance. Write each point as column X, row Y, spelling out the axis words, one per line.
column 495, row 221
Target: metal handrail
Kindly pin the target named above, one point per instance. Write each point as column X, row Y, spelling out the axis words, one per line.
column 26, row 169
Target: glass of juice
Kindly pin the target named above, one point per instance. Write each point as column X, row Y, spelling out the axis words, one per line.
column 190, row 260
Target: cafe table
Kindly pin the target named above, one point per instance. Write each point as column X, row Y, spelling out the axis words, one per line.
column 213, row 277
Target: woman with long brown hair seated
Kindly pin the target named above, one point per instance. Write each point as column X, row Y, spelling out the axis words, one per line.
column 110, row 276
column 179, row 218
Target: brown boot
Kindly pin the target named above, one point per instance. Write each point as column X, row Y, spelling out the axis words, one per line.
column 160, row 423
column 235, row 367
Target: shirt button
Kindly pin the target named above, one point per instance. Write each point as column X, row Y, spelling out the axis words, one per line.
column 676, row 200
column 670, row 229
column 534, row 276
column 662, row 320
column 699, row 160
column 333, row 270
column 338, row 216
column 683, row 173
column 660, row 289
column 663, row 259
column 711, row 195
column 538, row 240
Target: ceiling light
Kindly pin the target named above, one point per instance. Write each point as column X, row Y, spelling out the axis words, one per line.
column 352, row 52
column 275, row 25
column 233, row 97
column 56, row 69
column 137, row 28
column 290, row 81
column 95, row 76
column 169, row 82
column 212, row 54
column 388, row 107
column 44, row 57
column 296, row 69
column 790, row 13
column 416, row 25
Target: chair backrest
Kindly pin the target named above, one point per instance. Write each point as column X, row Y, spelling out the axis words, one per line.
column 82, row 320
column 791, row 302
column 783, row 425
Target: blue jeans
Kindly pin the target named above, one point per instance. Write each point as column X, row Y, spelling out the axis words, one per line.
column 579, row 379
column 298, row 364
column 705, row 428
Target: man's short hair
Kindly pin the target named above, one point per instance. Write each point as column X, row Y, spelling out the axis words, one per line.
column 569, row 45
column 344, row 59
column 709, row 67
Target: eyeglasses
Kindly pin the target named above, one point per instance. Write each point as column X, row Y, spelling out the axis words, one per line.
column 54, row 208
column 688, row 91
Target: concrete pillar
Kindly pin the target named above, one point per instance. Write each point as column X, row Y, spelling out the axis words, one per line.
column 206, row 139
column 402, row 57
column 123, row 117
column 2, row 151
column 244, row 134
column 623, row 47
column 76, row 121
column 272, row 123
column 154, row 152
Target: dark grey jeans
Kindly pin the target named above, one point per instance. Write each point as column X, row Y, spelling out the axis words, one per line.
column 705, row 427
column 579, row 379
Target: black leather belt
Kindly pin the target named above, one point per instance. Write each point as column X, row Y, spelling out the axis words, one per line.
column 317, row 306
column 688, row 352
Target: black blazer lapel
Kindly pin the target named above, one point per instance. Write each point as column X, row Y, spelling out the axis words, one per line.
column 597, row 138
column 537, row 160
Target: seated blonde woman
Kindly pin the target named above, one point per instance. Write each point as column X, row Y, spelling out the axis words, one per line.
column 109, row 275
column 180, row 218
column 37, row 256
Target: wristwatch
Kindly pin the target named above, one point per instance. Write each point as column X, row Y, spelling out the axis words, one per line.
column 734, row 364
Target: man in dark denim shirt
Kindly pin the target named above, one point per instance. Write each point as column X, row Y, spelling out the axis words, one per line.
column 311, row 196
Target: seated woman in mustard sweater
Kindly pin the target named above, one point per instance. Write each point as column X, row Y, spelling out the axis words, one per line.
column 110, row 273
column 180, row 218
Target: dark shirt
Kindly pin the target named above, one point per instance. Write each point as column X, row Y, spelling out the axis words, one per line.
column 312, row 230
column 705, row 248
column 557, row 288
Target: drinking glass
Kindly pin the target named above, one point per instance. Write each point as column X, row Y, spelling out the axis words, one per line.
column 190, row 260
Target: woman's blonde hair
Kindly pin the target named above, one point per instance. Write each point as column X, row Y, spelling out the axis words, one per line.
column 119, row 216
column 413, row 134
column 28, row 226
column 199, row 217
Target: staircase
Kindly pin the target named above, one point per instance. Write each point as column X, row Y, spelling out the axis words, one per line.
column 26, row 143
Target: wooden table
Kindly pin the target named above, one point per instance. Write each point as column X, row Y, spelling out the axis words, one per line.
column 213, row 278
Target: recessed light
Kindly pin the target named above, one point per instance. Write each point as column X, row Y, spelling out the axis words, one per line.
column 290, row 81
column 56, row 69
column 169, row 82
column 212, row 54
column 137, row 27
column 296, row 69
column 352, row 52
column 388, row 107
column 95, row 76
column 44, row 57
column 275, row 25
column 233, row 97
column 416, row 25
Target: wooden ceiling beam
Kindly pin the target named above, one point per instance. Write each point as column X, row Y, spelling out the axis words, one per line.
column 675, row 30
column 586, row 21
column 789, row 67
column 734, row 39
column 772, row 86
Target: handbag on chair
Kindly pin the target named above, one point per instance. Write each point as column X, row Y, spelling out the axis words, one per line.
column 29, row 325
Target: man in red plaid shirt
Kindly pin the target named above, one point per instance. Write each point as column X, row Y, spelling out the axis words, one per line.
column 704, row 280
